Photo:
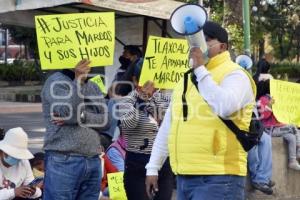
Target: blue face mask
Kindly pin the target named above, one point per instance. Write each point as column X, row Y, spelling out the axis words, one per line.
column 11, row 160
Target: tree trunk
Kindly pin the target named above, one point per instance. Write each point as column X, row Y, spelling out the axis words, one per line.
column 280, row 42
column 233, row 12
column 290, row 44
column 26, row 51
column 261, row 48
column 298, row 51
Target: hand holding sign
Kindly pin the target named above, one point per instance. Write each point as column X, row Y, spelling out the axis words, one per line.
column 146, row 92
column 81, row 70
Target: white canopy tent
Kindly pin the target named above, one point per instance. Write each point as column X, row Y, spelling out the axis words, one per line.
column 144, row 17
column 22, row 12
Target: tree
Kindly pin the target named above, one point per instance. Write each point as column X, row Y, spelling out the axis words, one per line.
column 228, row 13
column 25, row 36
column 233, row 21
column 281, row 21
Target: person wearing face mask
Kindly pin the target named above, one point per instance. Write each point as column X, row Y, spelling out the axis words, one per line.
column 131, row 64
column 125, row 62
column 138, row 122
column 206, row 156
column 15, row 170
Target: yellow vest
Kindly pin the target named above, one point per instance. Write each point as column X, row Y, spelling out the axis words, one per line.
column 203, row 145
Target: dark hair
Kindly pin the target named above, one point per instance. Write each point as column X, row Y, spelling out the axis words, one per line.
column 263, row 88
column 133, row 50
column 38, row 157
column 2, row 133
column 263, row 67
column 214, row 30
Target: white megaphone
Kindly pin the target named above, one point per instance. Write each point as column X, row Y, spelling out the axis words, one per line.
column 244, row 61
column 188, row 20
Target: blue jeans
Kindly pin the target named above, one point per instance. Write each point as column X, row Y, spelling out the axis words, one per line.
column 260, row 160
column 216, row 187
column 71, row 177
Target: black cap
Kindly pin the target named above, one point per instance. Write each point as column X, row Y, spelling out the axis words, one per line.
column 133, row 50
column 215, row 31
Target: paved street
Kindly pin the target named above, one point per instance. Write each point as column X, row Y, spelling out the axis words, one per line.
column 26, row 115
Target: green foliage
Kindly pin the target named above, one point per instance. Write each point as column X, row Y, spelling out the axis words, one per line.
column 281, row 22
column 189, row 1
column 292, row 70
column 19, row 71
column 216, row 10
column 236, row 38
column 216, row 14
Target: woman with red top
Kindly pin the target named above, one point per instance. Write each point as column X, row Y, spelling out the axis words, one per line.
column 290, row 133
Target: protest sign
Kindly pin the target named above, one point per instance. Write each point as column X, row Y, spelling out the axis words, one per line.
column 165, row 62
column 65, row 39
column 99, row 82
column 286, row 107
column 116, row 186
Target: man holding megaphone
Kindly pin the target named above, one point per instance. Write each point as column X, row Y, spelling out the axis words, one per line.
column 208, row 160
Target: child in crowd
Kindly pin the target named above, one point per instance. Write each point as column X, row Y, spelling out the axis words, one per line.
column 290, row 133
column 107, row 167
column 116, row 153
column 37, row 164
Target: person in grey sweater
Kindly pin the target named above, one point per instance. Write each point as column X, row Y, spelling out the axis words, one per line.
column 72, row 140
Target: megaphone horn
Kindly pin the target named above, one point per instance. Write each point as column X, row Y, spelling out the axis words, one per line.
column 189, row 20
column 244, row 61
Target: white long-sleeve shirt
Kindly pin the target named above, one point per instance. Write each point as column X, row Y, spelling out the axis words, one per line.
column 13, row 177
column 233, row 93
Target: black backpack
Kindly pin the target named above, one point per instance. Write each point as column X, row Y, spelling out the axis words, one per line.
column 248, row 139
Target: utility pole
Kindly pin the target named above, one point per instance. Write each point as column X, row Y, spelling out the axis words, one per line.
column 6, row 45
column 246, row 26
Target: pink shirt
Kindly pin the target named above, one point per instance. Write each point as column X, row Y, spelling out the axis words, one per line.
column 266, row 114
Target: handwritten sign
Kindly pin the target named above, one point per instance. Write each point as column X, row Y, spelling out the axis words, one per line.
column 116, row 186
column 165, row 62
column 287, row 97
column 64, row 40
column 99, row 82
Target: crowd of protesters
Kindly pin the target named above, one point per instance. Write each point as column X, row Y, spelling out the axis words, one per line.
column 90, row 134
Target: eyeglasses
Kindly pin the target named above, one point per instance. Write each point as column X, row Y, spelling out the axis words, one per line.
column 211, row 46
